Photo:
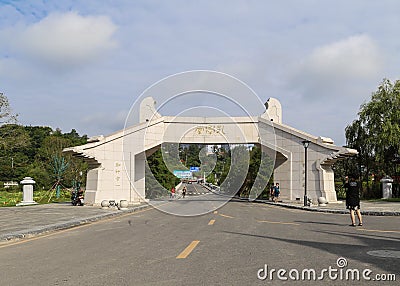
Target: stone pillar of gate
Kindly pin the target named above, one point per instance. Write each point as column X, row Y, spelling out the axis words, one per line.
column 92, row 179
column 283, row 175
column 139, row 176
column 326, row 182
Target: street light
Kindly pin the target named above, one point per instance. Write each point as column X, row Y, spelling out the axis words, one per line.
column 306, row 143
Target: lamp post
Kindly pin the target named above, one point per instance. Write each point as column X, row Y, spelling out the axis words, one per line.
column 306, row 143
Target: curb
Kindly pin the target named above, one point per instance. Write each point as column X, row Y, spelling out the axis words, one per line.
column 66, row 225
column 314, row 209
column 317, row 209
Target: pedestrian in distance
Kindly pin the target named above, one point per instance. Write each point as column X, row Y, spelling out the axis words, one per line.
column 353, row 199
column 184, row 192
column 272, row 192
column 277, row 192
column 172, row 193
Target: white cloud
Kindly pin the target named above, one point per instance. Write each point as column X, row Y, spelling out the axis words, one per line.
column 356, row 56
column 65, row 40
column 333, row 68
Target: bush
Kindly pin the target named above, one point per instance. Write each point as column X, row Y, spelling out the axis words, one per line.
column 340, row 191
column 12, row 196
column 375, row 191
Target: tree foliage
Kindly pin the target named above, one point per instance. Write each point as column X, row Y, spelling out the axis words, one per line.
column 234, row 169
column 159, row 180
column 6, row 114
column 375, row 134
column 30, row 151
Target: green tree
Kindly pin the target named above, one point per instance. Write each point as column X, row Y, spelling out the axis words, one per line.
column 14, row 145
column 381, row 120
column 30, row 151
column 358, row 138
column 238, row 169
column 375, row 134
column 37, row 135
column 259, row 178
column 52, row 147
column 6, row 114
column 159, row 180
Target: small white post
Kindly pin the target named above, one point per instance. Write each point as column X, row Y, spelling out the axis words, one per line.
column 386, row 187
column 27, row 188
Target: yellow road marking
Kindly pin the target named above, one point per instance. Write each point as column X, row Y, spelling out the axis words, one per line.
column 27, row 239
column 188, row 249
column 226, row 216
column 278, row 222
column 211, row 222
column 377, row 230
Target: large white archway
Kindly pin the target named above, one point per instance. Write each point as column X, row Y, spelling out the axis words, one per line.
column 117, row 161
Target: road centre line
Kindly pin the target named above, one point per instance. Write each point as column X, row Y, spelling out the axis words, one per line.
column 226, row 216
column 278, row 222
column 195, row 188
column 211, row 222
column 185, row 253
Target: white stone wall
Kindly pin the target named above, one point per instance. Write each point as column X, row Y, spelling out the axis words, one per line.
column 290, row 171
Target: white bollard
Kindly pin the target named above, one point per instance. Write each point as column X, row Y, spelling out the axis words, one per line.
column 123, row 205
column 322, row 201
column 27, row 189
column 386, row 187
column 105, row 204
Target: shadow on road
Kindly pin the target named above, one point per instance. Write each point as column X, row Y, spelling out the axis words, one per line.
column 349, row 251
column 319, row 222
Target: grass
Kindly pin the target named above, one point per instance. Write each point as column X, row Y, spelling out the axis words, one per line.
column 10, row 198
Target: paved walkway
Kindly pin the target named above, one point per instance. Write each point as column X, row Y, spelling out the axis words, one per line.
column 27, row 221
column 379, row 208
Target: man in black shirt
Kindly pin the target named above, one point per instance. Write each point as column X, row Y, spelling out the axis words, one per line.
column 353, row 199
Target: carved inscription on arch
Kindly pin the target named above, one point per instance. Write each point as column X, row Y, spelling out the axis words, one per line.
column 209, row 130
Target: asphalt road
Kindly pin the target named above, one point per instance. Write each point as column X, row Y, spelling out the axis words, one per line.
column 198, row 201
column 232, row 245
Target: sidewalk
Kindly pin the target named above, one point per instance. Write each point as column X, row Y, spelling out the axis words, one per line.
column 28, row 221
column 379, row 208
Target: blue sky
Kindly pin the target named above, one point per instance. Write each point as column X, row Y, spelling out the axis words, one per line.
column 82, row 64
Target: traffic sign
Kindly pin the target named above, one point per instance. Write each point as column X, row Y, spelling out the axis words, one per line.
column 182, row 174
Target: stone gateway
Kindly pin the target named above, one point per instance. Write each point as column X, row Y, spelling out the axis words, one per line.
column 117, row 161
